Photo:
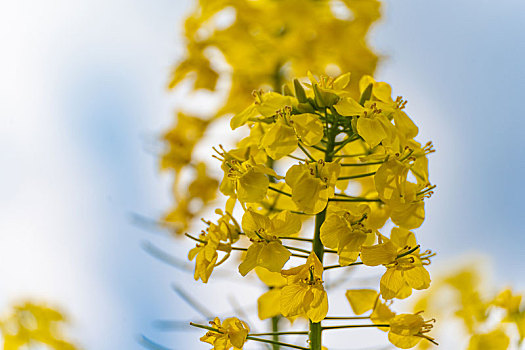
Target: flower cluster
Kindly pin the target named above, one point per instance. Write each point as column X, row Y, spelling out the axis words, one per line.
column 352, row 165
column 258, row 44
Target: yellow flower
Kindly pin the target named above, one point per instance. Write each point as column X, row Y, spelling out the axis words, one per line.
column 393, row 110
column 312, row 184
column 308, row 128
column 327, row 90
column 207, row 256
column 231, row 333
column 380, row 91
column 379, row 254
column 370, row 121
column 404, row 271
column 266, row 105
column 346, row 232
column 281, row 138
column 404, row 198
column 406, row 330
column 304, row 294
column 266, row 249
column 348, row 107
column 246, row 179
column 218, row 236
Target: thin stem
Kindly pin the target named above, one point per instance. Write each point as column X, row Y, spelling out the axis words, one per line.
column 276, row 342
column 354, row 199
column 296, row 158
column 356, row 176
column 355, row 326
column 408, row 252
column 363, row 164
column 426, row 190
column 279, row 333
column 361, row 263
column 298, row 239
column 350, row 155
column 279, row 191
column 205, row 327
column 344, row 143
column 318, row 148
column 240, row 249
column 329, row 267
column 194, row 238
column 306, row 152
column 275, row 331
column 297, row 249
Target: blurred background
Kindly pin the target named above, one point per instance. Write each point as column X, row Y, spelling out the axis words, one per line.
column 83, row 101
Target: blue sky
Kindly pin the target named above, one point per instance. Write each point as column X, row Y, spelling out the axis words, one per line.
column 458, row 64
column 83, row 100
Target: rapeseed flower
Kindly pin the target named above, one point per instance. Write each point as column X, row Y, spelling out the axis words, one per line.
column 304, row 294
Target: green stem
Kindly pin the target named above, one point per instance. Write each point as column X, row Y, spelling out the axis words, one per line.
column 205, row 327
column 315, row 336
column 344, row 143
column 297, row 249
column 329, row 267
column 317, row 246
column 277, row 83
column 363, row 164
column 408, row 252
column 194, row 238
column 354, row 326
column 279, row 191
column 305, row 151
column 280, row 333
column 350, row 155
column 296, row 158
column 297, row 239
column 275, row 332
column 356, row 176
column 357, row 199
column 318, row 148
